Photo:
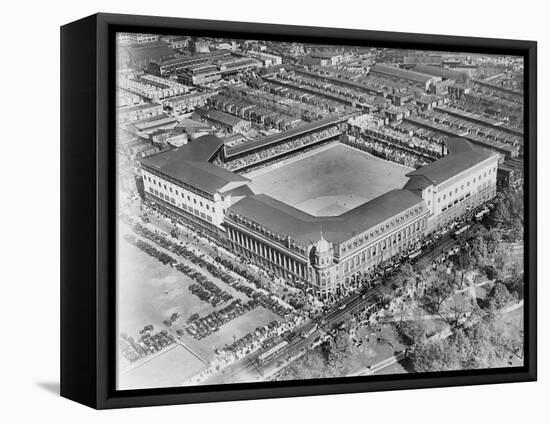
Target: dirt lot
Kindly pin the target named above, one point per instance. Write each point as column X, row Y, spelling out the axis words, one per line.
column 167, row 369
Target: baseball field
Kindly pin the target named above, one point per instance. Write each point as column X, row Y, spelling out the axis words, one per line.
column 330, row 180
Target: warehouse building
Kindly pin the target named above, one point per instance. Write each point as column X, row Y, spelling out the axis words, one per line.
column 417, row 79
column 180, row 63
column 139, row 56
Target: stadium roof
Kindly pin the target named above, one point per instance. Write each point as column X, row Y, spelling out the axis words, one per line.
column 189, row 164
column 417, row 182
column 462, row 156
column 306, row 229
column 401, row 73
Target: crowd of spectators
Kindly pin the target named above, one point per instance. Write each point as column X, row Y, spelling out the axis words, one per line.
column 402, row 137
column 268, row 154
column 387, row 151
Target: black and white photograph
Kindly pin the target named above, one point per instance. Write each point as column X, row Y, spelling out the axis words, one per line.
column 275, row 212
column 292, row 211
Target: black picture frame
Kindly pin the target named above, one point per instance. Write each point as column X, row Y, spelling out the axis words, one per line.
column 88, row 211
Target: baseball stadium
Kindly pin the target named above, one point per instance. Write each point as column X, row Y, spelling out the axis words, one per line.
column 311, row 207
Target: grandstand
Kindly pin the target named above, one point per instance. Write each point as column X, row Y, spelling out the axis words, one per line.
column 238, row 151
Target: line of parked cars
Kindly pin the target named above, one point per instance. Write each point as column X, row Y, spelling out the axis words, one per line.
column 204, row 288
column 204, row 326
column 149, row 249
column 148, row 343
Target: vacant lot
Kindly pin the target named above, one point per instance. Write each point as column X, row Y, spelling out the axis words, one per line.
column 329, row 181
column 167, row 369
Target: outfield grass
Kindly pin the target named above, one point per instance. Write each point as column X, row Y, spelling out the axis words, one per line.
column 329, row 181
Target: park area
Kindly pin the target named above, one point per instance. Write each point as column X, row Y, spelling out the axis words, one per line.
column 330, row 180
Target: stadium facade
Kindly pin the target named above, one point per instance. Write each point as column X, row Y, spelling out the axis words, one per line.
column 325, row 253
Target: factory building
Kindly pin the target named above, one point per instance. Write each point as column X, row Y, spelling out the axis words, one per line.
column 416, row 79
column 179, row 64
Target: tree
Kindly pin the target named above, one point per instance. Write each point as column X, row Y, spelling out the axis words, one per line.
column 437, row 293
column 337, row 349
column 515, row 284
column 488, row 343
column 412, row 331
column 464, row 263
column 407, row 271
column 502, row 212
column 433, row 356
column 517, row 229
column 479, row 250
column 500, row 297
column 463, row 349
column 458, row 308
column 492, row 239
